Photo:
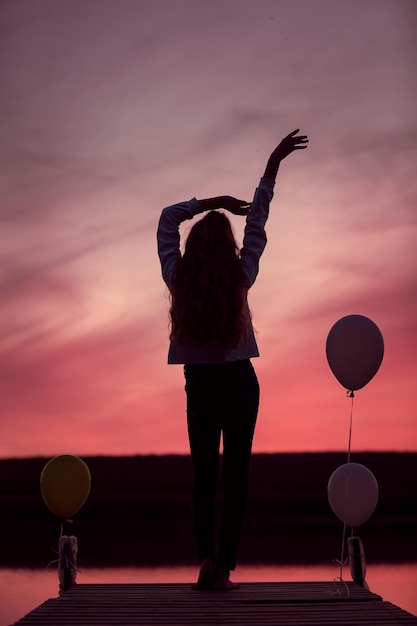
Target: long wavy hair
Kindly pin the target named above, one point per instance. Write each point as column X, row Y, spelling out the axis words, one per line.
column 208, row 302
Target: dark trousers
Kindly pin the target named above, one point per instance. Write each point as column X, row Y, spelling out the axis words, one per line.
column 221, row 399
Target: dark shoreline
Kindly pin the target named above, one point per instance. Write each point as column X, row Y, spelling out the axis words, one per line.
column 139, row 511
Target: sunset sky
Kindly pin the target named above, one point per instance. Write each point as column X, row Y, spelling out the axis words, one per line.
column 113, row 109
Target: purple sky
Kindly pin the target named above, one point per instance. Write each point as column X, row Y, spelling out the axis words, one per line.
column 114, row 109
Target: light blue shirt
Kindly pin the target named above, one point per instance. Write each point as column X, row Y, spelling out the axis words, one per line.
column 254, row 242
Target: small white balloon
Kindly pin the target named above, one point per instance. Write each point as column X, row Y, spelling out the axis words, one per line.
column 353, row 493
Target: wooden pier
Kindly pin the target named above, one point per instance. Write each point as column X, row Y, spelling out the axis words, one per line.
column 292, row 603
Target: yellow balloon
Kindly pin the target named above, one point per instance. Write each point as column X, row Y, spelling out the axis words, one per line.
column 65, row 484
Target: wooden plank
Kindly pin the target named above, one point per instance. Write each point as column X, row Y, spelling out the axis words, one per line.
column 304, row 604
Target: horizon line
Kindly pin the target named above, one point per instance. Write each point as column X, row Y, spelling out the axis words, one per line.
column 184, row 454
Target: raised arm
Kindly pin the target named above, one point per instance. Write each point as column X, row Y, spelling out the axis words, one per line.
column 254, row 240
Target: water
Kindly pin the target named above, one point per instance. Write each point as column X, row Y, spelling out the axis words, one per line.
column 24, row 589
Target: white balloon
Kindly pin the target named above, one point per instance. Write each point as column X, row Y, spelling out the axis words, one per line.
column 353, row 493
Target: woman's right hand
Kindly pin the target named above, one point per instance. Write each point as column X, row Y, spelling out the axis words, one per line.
column 290, row 143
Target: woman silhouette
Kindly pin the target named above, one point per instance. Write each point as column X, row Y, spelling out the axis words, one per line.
column 212, row 335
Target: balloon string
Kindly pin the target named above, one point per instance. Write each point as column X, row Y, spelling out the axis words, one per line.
column 67, row 563
column 342, row 561
column 70, row 521
column 350, row 395
column 338, row 592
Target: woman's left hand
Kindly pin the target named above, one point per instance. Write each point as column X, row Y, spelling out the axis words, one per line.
column 235, row 206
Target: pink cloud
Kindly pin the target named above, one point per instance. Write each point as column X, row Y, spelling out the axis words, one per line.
column 77, row 393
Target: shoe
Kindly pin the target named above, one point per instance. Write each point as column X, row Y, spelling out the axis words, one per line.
column 206, row 575
column 222, row 581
